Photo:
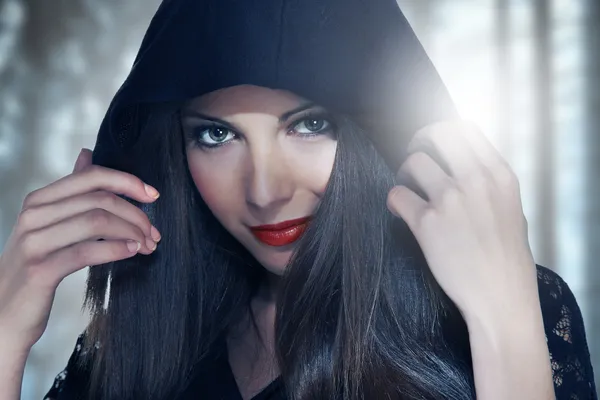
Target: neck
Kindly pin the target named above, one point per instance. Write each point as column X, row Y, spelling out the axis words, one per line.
column 267, row 292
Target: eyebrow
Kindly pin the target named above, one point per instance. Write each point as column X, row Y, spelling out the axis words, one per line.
column 283, row 118
column 196, row 114
column 286, row 115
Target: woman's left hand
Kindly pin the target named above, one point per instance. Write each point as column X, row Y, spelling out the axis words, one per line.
column 472, row 229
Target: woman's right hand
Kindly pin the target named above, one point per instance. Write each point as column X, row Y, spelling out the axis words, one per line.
column 57, row 234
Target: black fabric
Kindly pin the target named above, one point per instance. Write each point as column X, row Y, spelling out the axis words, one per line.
column 573, row 375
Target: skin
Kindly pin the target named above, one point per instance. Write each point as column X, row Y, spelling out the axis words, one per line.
column 271, row 173
column 472, row 231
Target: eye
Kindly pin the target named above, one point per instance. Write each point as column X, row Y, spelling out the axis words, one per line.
column 211, row 136
column 312, row 125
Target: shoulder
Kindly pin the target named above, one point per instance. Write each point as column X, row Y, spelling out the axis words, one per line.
column 566, row 337
column 559, row 307
column 72, row 380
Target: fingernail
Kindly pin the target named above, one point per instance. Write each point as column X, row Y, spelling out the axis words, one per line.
column 155, row 233
column 133, row 246
column 151, row 244
column 152, row 192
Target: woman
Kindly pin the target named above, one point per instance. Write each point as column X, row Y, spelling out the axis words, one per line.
column 283, row 257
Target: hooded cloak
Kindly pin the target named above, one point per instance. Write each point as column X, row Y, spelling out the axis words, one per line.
column 356, row 57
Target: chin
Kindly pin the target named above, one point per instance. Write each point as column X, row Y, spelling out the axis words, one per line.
column 274, row 261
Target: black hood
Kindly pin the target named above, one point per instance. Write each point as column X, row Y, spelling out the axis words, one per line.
column 357, row 57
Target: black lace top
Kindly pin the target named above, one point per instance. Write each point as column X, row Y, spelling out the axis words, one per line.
column 570, row 359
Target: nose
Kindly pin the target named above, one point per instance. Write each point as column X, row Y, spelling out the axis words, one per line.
column 268, row 179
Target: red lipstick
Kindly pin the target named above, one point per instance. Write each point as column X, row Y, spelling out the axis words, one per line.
column 282, row 233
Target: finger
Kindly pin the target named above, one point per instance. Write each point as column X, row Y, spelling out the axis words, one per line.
column 421, row 170
column 47, row 214
column 449, row 148
column 90, row 179
column 482, row 146
column 65, row 261
column 496, row 165
column 83, row 160
column 77, row 166
column 91, row 225
column 406, row 204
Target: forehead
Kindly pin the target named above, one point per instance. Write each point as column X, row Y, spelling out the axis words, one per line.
column 245, row 98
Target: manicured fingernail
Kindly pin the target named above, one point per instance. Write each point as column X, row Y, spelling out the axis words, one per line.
column 151, row 244
column 133, row 246
column 155, row 233
column 152, row 192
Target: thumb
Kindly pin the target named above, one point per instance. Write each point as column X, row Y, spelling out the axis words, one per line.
column 83, row 160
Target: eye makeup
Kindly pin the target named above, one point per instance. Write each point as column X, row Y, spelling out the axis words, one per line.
column 202, row 133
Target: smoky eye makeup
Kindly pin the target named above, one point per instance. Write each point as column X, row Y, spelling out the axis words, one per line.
column 314, row 122
column 207, row 133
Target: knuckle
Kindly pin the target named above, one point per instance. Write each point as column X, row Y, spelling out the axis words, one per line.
column 427, row 217
column 429, row 130
column 140, row 234
column 393, row 197
column 98, row 217
column 140, row 219
column 106, row 199
column 420, row 133
column 30, row 199
column 133, row 181
column 415, row 160
column 146, row 224
column 26, row 218
column 418, row 138
column 450, row 196
column 439, row 133
column 118, row 251
column 30, row 248
column 82, row 254
column 116, row 179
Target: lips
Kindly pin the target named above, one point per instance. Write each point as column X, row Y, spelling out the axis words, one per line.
column 282, row 233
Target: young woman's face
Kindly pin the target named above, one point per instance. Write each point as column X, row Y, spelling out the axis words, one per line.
column 261, row 159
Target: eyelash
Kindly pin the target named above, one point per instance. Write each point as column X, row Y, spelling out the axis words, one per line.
column 197, row 132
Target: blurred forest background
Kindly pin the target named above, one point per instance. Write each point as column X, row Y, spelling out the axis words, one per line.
column 527, row 71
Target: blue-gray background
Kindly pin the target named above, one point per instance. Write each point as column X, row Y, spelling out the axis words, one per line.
column 527, row 71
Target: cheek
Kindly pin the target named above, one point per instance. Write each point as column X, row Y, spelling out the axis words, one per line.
column 315, row 163
column 218, row 190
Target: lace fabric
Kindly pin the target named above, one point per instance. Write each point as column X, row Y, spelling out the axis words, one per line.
column 572, row 370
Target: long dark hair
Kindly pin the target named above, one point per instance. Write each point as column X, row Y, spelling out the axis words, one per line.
column 359, row 315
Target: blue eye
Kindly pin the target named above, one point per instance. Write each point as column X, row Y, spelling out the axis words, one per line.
column 213, row 136
column 312, row 125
